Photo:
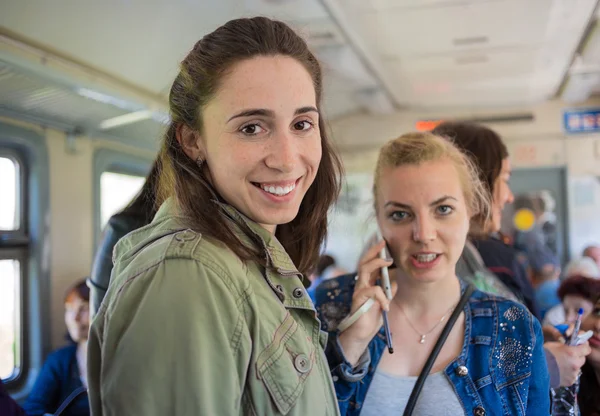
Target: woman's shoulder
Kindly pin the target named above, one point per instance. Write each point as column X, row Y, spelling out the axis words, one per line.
column 511, row 317
column 174, row 261
column 500, row 303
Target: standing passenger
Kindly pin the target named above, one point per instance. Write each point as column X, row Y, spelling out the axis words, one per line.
column 426, row 191
column 207, row 313
column 139, row 212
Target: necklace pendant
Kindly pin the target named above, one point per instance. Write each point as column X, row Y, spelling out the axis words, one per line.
column 422, row 339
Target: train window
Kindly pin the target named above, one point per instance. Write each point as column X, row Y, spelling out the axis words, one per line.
column 9, row 190
column 116, row 191
column 10, row 327
column 14, row 243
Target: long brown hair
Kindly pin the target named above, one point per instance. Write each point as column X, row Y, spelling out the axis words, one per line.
column 196, row 84
column 485, row 148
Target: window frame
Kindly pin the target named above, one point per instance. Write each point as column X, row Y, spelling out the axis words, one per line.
column 29, row 246
column 109, row 160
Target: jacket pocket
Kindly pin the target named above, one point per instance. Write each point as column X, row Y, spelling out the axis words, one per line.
column 285, row 364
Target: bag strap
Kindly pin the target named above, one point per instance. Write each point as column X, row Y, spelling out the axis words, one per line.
column 414, row 395
column 70, row 399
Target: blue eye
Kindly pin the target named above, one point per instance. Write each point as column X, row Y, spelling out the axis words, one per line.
column 444, row 209
column 398, row 215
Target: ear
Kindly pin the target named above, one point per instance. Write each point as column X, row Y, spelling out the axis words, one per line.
column 190, row 142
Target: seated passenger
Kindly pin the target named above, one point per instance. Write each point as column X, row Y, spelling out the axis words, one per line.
column 136, row 214
column 65, row 370
column 426, row 192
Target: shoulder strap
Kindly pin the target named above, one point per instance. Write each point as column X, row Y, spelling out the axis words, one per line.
column 412, row 400
column 69, row 400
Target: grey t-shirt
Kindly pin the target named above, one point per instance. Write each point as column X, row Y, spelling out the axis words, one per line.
column 388, row 395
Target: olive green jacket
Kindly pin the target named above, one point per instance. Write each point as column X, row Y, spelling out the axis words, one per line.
column 187, row 328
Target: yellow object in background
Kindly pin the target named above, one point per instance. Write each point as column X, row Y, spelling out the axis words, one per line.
column 524, row 219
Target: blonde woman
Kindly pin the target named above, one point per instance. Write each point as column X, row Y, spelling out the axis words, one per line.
column 492, row 361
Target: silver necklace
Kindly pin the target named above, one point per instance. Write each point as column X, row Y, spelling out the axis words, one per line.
column 422, row 340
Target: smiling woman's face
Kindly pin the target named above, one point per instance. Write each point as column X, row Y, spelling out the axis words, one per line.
column 261, row 138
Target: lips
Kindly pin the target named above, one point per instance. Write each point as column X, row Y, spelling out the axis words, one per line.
column 278, row 189
column 425, row 258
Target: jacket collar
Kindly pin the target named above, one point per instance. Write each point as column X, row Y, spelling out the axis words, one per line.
column 252, row 233
column 168, row 220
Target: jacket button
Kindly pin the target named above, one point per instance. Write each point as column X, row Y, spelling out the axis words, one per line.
column 302, row 364
column 462, row 371
column 298, row 293
column 479, row 411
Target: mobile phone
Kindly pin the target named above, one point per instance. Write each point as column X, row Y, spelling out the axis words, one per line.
column 385, row 275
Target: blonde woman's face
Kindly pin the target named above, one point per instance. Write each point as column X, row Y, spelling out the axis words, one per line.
column 423, row 215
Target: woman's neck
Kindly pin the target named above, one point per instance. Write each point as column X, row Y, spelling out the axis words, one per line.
column 427, row 298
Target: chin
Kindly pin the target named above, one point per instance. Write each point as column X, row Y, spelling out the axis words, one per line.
column 274, row 220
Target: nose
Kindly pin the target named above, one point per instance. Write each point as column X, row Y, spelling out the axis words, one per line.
column 511, row 197
column 282, row 154
column 424, row 229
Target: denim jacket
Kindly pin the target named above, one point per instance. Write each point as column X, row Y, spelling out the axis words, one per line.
column 500, row 371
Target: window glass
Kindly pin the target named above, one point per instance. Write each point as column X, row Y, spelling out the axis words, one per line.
column 9, row 190
column 10, row 324
column 116, row 191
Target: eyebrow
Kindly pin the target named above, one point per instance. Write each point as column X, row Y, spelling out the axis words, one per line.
column 405, row 206
column 270, row 113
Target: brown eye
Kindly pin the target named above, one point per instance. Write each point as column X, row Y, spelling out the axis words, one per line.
column 251, row 129
column 303, row 125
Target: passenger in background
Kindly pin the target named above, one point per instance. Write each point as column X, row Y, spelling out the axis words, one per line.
column 490, row 155
column 65, row 370
column 589, row 388
column 593, row 252
column 576, row 292
column 425, row 193
column 569, row 293
column 207, row 313
column 139, row 212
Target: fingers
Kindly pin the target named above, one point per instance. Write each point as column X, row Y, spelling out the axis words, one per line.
column 582, row 350
column 371, row 253
column 369, row 272
column 375, row 292
column 551, row 333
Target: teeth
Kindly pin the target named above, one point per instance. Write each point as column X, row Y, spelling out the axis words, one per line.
column 426, row 258
column 279, row 191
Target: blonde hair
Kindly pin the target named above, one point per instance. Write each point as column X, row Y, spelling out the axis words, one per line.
column 421, row 147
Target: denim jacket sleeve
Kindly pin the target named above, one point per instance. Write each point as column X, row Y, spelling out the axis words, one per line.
column 538, row 398
column 333, row 300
